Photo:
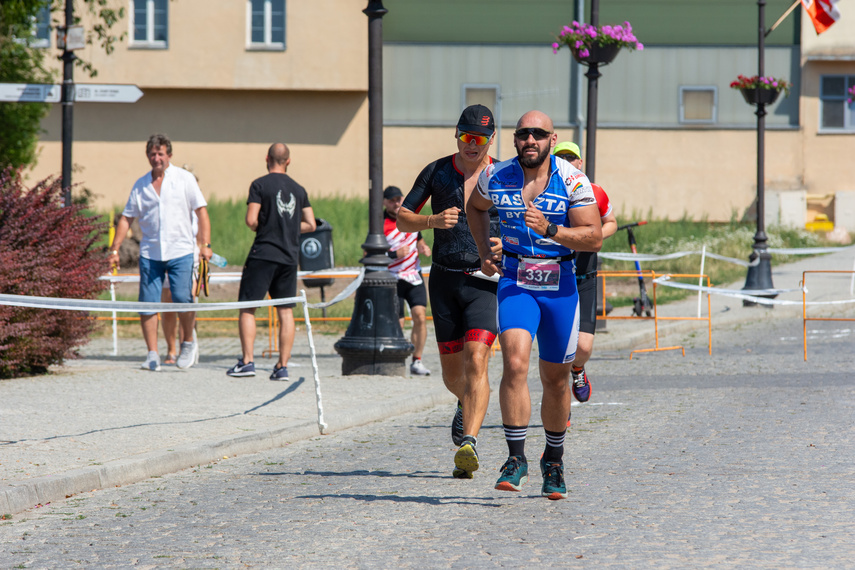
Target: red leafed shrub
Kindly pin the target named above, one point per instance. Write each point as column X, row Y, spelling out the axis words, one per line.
column 46, row 250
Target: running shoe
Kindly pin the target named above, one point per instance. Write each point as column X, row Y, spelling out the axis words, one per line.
column 569, row 416
column 187, row 355
column 279, row 373
column 465, row 461
column 581, row 386
column 457, row 426
column 553, row 480
column 241, row 370
column 418, row 368
column 514, row 474
column 152, row 362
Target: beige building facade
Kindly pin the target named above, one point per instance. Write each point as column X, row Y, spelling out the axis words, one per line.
column 223, row 90
column 223, row 93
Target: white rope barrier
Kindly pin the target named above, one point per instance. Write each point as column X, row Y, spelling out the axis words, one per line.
column 666, row 281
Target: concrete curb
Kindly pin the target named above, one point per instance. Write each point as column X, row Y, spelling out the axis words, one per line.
column 20, row 496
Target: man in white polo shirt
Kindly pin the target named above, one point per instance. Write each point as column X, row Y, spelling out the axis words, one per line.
column 164, row 201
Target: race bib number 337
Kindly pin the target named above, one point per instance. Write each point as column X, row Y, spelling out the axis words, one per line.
column 538, row 274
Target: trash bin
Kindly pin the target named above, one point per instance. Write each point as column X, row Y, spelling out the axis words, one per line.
column 316, row 252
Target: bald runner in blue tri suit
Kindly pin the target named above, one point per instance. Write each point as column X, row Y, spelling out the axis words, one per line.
column 547, row 211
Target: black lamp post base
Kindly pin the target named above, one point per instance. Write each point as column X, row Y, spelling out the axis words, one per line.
column 374, row 343
column 759, row 278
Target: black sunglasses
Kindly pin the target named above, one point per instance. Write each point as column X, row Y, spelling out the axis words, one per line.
column 538, row 134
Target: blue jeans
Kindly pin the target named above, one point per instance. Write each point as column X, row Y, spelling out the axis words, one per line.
column 152, row 273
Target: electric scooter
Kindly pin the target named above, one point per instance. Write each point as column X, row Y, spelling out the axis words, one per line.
column 641, row 303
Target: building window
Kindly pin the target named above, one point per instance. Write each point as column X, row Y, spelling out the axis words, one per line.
column 41, row 28
column 698, row 105
column 835, row 114
column 149, row 23
column 265, row 24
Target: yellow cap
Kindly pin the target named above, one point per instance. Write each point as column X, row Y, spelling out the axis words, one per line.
column 565, row 147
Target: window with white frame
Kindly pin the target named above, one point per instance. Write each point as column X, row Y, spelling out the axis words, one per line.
column 698, row 104
column 41, row 28
column 149, row 23
column 265, row 24
column 835, row 112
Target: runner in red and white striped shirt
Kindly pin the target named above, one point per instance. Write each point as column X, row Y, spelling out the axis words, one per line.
column 404, row 249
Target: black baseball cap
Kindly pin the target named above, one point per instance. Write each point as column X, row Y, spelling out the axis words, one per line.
column 476, row 119
column 392, row 192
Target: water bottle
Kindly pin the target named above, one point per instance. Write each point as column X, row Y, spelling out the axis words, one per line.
column 218, row 260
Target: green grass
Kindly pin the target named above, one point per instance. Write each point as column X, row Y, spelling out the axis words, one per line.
column 349, row 220
column 732, row 239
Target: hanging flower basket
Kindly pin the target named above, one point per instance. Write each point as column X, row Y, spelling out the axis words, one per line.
column 591, row 45
column 753, row 96
column 758, row 89
column 600, row 55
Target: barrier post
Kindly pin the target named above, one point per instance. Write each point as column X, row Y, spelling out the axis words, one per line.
column 701, row 276
column 111, row 235
column 322, row 426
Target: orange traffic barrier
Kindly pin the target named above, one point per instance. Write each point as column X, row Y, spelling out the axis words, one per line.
column 634, row 274
column 805, row 318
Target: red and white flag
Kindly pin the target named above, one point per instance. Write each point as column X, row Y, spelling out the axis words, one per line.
column 823, row 13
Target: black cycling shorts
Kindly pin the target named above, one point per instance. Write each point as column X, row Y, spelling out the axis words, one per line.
column 460, row 303
column 587, row 289
column 261, row 277
column 414, row 295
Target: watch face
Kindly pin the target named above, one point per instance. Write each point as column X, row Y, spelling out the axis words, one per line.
column 551, row 230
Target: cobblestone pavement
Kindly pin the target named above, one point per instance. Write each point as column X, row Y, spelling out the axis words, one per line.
column 740, row 459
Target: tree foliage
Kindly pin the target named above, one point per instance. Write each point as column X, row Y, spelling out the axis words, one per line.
column 46, row 250
column 21, row 62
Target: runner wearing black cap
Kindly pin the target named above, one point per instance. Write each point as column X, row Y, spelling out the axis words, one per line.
column 463, row 305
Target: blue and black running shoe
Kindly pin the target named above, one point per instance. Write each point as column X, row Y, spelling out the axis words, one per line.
column 514, row 474
column 553, row 480
column 581, row 386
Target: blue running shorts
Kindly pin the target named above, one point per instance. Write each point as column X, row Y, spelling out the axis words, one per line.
column 550, row 316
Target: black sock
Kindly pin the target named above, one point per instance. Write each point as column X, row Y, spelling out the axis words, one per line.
column 554, row 446
column 515, row 437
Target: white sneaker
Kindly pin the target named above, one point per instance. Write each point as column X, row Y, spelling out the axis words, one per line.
column 152, row 362
column 418, row 368
column 187, row 356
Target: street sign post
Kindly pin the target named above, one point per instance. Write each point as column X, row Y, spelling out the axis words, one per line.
column 98, row 93
column 83, row 93
column 30, row 93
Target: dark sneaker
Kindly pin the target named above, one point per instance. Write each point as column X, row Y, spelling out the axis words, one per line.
column 569, row 416
column 581, row 386
column 240, row 369
column 514, row 474
column 553, row 480
column 279, row 373
column 457, row 426
column 465, row 461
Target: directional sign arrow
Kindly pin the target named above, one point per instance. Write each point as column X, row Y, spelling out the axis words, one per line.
column 29, row 93
column 83, row 93
column 95, row 93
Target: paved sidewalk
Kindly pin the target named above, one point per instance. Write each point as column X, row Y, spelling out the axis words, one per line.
column 101, row 421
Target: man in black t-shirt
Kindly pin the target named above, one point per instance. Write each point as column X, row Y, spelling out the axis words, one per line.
column 278, row 211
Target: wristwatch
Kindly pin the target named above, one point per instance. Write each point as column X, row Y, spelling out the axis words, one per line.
column 551, row 230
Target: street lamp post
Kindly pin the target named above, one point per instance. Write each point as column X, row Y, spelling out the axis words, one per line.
column 759, row 275
column 374, row 343
column 68, row 58
column 593, row 74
